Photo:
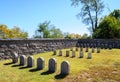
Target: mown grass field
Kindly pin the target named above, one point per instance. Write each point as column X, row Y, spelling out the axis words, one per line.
column 103, row 67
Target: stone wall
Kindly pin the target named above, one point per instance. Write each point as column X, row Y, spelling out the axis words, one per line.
column 32, row 46
column 105, row 43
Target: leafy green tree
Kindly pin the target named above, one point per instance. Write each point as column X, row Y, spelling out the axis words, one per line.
column 109, row 27
column 56, row 33
column 46, row 30
column 84, row 36
column 90, row 11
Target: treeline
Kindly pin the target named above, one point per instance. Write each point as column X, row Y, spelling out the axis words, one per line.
column 15, row 32
column 48, row 30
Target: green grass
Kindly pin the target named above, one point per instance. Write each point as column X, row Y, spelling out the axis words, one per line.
column 104, row 66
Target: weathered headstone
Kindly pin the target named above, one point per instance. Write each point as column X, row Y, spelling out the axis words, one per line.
column 40, row 63
column 106, row 46
column 67, row 53
column 22, row 60
column 14, row 57
column 73, row 53
column 65, row 68
column 93, row 49
column 102, row 46
column 77, row 49
column 60, row 53
column 30, row 61
column 71, row 49
column 110, row 47
column 89, row 56
column 52, row 66
column 81, row 54
column 54, row 52
column 87, row 49
column 81, row 49
column 98, row 50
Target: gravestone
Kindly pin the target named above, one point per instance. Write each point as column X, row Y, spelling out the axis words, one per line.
column 14, row 57
column 22, row 60
column 52, row 66
column 30, row 61
column 106, row 46
column 71, row 49
column 87, row 49
column 65, row 68
column 54, row 52
column 60, row 53
column 81, row 49
column 93, row 49
column 89, row 56
column 77, row 49
column 81, row 54
column 73, row 53
column 110, row 47
column 98, row 50
column 67, row 53
column 40, row 63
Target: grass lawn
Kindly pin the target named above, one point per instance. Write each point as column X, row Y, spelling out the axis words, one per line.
column 103, row 67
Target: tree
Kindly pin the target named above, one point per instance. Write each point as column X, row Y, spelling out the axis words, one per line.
column 46, row 30
column 71, row 35
column 15, row 32
column 109, row 27
column 90, row 11
column 84, row 36
column 116, row 14
column 56, row 33
column 4, row 31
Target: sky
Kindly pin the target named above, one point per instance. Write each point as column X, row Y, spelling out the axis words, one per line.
column 28, row 14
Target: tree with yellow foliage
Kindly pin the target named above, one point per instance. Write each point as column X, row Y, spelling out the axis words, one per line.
column 15, row 32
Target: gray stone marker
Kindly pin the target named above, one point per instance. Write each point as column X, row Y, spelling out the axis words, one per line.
column 77, row 49
column 30, row 61
column 73, row 54
column 89, row 56
column 23, row 60
column 65, row 68
column 67, row 53
column 81, row 54
column 54, row 52
column 14, row 57
column 52, row 66
column 81, row 49
column 71, row 49
column 87, row 49
column 93, row 49
column 60, row 53
column 106, row 46
column 98, row 50
column 110, row 47
column 40, row 63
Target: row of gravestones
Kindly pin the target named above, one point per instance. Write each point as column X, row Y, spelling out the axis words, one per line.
column 52, row 66
column 87, row 49
column 73, row 54
column 99, row 45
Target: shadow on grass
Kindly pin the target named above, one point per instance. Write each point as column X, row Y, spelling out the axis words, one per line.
column 24, row 67
column 15, row 65
column 46, row 73
column 60, row 76
column 34, row 70
column 9, row 63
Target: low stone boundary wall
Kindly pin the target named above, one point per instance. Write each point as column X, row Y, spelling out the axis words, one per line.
column 32, row 46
